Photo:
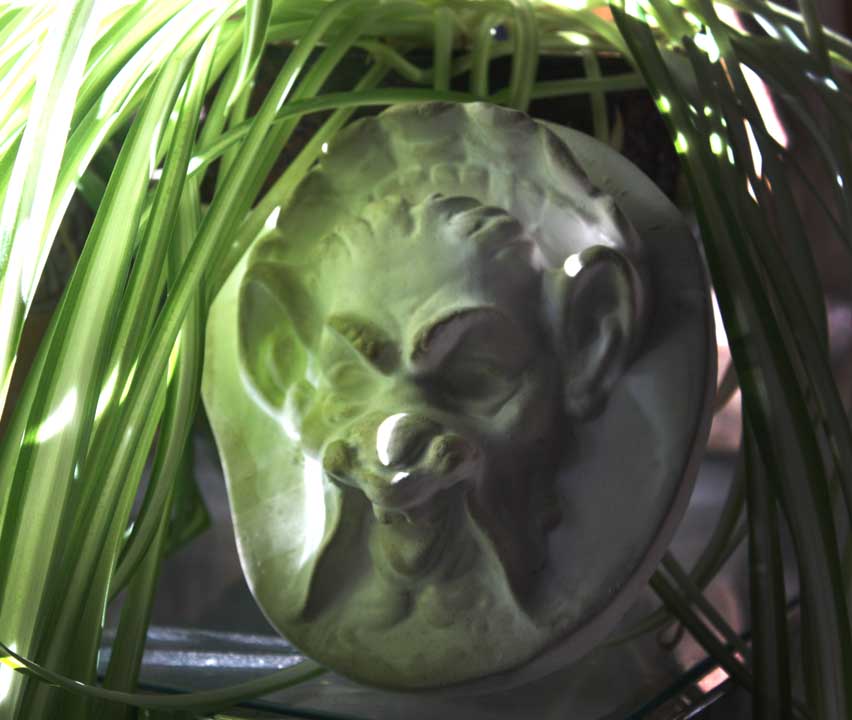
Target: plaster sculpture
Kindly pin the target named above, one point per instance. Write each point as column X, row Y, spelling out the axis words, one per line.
column 459, row 392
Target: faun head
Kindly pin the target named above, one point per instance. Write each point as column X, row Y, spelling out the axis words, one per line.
column 433, row 369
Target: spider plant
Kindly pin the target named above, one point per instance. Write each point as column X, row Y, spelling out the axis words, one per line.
column 132, row 104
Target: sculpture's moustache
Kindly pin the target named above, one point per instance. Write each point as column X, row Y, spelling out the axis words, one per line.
column 402, row 463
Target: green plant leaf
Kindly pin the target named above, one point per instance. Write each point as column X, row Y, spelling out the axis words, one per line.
column 699, row 630
column 104, row 498
column 172, row 457
column 772, row 395
column 22, row 217
column 773, row 695
column 255, row 27
column 61, row 412
column 525, row 55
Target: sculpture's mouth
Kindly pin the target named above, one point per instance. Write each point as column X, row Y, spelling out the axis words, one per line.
column 413, row 543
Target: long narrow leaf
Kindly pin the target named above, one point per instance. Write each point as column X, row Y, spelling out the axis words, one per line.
column 183, row 392
column 773, row 696
column 25, row 204
column 94, row 535
column 255, row 27
column 63, row 408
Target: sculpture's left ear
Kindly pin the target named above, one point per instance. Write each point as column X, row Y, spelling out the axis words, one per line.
column 594, row 307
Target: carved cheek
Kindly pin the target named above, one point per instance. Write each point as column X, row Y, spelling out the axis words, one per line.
column 532, row 412
column 314, row 427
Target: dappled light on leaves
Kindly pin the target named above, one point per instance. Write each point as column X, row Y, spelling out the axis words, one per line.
column 717, row 146
column 754, row 148
column 794, row 38
column 8, row 666
column 575, row 38
column 106, row 393
column 568, row 4
column 174, row 357
column 127, row 385
column 765, row 106
column 61, row 417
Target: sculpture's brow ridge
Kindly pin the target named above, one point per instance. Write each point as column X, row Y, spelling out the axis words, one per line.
column 369, row 340
column 425, row 339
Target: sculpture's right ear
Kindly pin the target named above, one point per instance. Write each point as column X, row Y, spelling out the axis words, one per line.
column 594, row 307
column 277, row 325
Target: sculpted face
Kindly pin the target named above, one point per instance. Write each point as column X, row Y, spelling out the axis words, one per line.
column 417, row 358
column 420, row 378
column 449, row 452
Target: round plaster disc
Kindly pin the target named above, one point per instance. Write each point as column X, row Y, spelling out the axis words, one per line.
column 320, row 551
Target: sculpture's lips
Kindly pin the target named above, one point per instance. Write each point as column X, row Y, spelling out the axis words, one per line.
column 405, row 503
column 409, row 503
column 411, row 537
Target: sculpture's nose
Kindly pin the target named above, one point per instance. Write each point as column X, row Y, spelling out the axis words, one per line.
column 399, row 461
column 402, row 437
column 379, row 442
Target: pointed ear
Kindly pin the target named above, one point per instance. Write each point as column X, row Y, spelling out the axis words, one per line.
column 594, row 308
column 276, row 328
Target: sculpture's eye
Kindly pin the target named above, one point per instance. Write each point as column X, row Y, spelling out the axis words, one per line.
column 366, row 339
column 477, row 384
column 473, row 359
column 347, row 374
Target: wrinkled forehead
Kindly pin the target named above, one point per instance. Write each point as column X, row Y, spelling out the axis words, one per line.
column 405, row 292
column 406, row 263
column 403, row 266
